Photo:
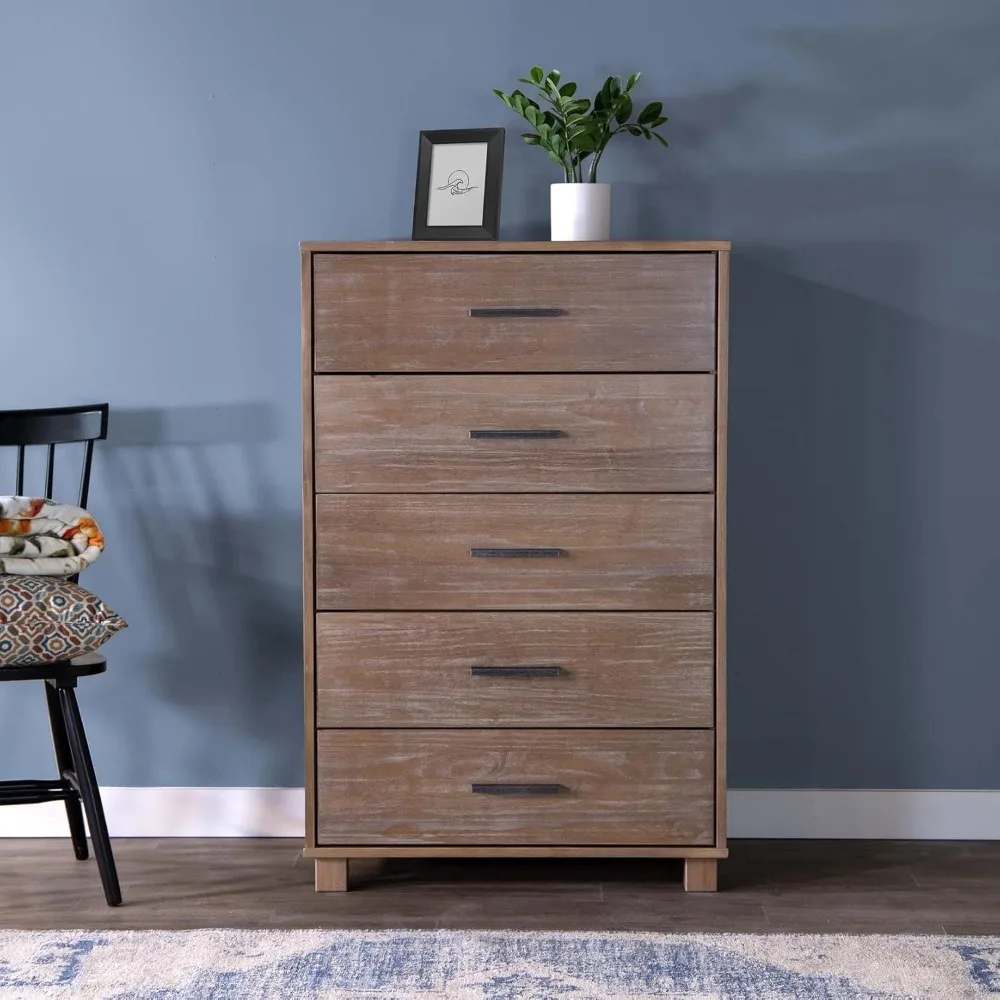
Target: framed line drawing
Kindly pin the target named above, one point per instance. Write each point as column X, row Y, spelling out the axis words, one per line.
column 459, row 176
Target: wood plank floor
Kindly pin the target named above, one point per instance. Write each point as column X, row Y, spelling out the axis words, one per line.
column 766, row 886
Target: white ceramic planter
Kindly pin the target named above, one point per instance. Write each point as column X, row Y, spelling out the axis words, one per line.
column 581, row 211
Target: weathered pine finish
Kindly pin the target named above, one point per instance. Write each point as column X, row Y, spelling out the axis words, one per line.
column 721, row 450
column 683, row 852
column 309, row 247
column 700, row 875
column 416, row 433
column 399, row 313
column 632, row 552
column 625, row 357
column 599, row 669
column 331, row 874
column 616, row 787
column 308, row 557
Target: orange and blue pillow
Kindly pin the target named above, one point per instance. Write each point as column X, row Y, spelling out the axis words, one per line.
column 49, row 620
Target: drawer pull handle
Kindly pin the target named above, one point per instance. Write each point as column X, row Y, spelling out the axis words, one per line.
column 516, row 553
column 518, row 789
column 542, row 670
column 532, row 434
column 524, row 312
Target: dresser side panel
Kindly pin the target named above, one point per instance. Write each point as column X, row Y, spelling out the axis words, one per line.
column 721, row 451
column 308, row 551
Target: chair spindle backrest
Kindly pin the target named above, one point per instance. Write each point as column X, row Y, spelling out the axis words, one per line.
column 23, row 429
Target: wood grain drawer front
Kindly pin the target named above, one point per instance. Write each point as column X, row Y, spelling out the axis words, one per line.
column 453, row 312
column 500, row 433
column 515, row 786
column 609, row 552
column 516, row 669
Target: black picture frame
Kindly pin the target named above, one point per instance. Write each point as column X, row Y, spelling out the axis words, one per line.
column 489, row 228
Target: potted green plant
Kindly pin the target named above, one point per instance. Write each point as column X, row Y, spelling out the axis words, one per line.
column 575, row 132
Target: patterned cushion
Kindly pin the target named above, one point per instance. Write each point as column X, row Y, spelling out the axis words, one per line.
column 45, row 619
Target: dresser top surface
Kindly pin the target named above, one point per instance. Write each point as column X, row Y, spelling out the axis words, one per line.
column 492, row 246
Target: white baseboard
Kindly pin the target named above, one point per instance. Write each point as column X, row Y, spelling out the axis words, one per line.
column 864, row 814
column 848, row 814
column 174, row 812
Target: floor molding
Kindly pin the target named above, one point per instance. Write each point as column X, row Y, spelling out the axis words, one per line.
column 864, row 814
column 799, row 813
column 174, row 812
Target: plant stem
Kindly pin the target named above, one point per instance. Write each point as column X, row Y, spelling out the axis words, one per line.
column 594, row 162
column 609, row 135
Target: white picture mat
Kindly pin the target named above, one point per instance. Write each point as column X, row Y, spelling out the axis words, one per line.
column 451, row 164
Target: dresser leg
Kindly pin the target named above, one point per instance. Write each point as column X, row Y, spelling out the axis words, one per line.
column 331, row 874
column 700, row 875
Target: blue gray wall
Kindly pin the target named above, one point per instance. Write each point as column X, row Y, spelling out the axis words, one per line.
column 159, row 163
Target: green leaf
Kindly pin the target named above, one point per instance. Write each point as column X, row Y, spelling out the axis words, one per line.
column 503, row 97
column 525, row 79
column 663, row 142
column 531, row 138
column 624, row 109
column 537, row 74
column 568, row 89
column 659, row 121
column 616, row 86
column 557, row 142
column 650, row 112
column 607, row 93
column 632, row 81
column 586, row 143
column 633, row 130
column 556, row 158
column 555, row 76
column 532, row 115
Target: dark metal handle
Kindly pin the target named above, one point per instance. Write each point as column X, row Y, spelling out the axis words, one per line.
column 516, row 553
column 518, row 789
column 529, row 434
column 521, row 671
column 528, row 312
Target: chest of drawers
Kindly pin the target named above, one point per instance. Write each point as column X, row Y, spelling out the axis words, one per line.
column 514, row 551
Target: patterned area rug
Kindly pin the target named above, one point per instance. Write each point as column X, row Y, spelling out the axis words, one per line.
column 427, row 965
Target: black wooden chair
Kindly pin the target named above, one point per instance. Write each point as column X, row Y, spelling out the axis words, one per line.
column 76, row 784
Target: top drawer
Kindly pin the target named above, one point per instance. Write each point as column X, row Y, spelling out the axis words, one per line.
column 511, row 312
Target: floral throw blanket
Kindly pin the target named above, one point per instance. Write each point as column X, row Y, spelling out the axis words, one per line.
column 44, row 538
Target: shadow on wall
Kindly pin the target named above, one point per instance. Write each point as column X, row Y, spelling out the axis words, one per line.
column 859, row 614
column 220, row 552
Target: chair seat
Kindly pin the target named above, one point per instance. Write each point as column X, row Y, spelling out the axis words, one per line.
column 79, row 666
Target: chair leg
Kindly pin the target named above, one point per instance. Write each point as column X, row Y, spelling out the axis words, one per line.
column 89, row 792
column 64, row 761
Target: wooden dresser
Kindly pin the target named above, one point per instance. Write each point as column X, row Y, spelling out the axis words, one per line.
column 514, row 551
